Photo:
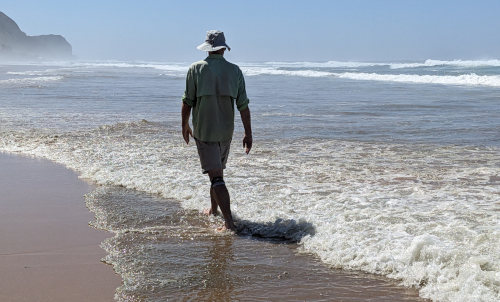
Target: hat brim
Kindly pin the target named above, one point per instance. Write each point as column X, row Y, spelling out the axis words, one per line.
column 208, row 47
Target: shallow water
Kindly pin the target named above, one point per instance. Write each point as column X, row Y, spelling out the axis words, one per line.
column 166, row 253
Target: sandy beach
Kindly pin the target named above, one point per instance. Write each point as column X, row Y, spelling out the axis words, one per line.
column 48, row 252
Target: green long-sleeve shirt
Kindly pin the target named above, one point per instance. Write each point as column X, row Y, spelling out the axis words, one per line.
column 212, row 87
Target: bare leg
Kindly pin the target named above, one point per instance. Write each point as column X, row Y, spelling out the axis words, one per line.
column 221, row 196
column 213, row 209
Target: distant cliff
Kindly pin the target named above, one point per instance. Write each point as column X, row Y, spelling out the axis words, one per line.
column 15, row 44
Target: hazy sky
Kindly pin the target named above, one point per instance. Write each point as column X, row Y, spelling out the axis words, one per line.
column 270, row 30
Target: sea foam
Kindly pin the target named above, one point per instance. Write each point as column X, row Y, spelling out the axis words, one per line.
column 426, row 215
column 32, row 81
column 471, row 79
column 458, row 63
column 328, row 64
column 329, row 69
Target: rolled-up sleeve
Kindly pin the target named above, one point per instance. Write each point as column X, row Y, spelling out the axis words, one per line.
column 241, row 99
column 189, row 96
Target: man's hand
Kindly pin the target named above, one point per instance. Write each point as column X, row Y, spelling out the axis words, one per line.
column 247, row 139
column 186, row 132
column 247, row 143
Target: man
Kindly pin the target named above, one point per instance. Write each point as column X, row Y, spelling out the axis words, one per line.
column 213, row 86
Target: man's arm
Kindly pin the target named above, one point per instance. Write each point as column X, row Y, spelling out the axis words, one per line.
column 186, row 130
column 247, row 139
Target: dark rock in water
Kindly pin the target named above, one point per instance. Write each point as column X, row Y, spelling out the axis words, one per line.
column 15, row 44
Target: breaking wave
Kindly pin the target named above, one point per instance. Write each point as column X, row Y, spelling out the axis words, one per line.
column 392, row 65
column 458, row 63
column 471, row 79
column 366, row 71
column 34, row 81
column 255, row 71
column 328, row 64
column 174, row 67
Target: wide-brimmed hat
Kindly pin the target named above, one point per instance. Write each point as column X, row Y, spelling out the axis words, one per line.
column 215, row 40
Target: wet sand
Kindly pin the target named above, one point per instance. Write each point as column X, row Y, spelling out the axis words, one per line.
column 166, row 253
column 47, row 250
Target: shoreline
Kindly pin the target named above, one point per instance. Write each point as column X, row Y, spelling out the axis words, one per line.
column 48, row 252
column 173, row 253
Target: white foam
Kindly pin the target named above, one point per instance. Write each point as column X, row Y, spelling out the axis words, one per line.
column 33, row 81
column 328, row 64
column 255, row 71
column 173, row 67
column 426, row 215
column 459, row 63
column 392, row 65
column 296, row 69
column 43, row 72
column 28, row 73
column 471, row 79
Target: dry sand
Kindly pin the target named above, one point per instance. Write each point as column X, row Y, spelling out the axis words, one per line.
column 47, row 250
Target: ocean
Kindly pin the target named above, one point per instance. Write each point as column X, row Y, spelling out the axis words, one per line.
column 391, row 168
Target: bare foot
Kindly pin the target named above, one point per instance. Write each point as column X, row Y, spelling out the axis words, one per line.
column 226, row 229
column 209, row 212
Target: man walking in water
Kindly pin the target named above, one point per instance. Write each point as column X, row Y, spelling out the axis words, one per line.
column 213, row 86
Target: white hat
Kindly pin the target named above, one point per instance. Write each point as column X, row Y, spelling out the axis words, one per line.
column 215, row 40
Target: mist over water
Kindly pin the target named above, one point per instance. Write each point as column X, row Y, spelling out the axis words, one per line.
column 396, row 166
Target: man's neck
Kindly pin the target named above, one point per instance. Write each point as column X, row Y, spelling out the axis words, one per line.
column 218, row 52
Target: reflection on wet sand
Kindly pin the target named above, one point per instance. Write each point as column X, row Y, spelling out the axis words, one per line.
column 217, row 283
column 165, row 253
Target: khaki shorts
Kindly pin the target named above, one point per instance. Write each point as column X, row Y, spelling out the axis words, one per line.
column 213, row 155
